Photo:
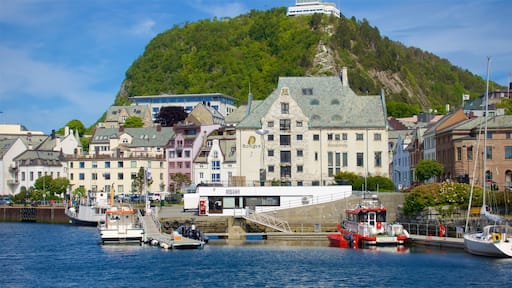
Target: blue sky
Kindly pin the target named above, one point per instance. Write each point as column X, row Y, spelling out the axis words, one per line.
column 66, row 59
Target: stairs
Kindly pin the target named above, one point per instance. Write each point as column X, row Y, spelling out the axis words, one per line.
column 267, row 220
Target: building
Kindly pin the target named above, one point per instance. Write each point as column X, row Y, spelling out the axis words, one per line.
column 117, row 155
column 309, row 129
column 216, row 161
column 224, row 104
column 117, row 115
column 461, row 151
column 308, row 7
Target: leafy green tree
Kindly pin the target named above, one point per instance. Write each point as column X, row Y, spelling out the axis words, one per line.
column 75, row 125
column 426, row 169
column 133, row 122
column 138, row 182
column 43, row 183
column 179, row 180
column 60, row 185
column 79, row 192
column 345, row 178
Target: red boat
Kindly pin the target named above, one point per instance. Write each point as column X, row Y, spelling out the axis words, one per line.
column 365, row 225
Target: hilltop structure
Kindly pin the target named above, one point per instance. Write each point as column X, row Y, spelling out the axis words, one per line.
column 307, row 7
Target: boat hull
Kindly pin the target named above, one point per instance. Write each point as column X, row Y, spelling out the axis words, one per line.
column 474, row 244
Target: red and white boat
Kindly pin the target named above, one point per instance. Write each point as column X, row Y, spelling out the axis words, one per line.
column 365, row 225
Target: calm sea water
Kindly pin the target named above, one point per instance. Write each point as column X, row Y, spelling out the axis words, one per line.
column 46, row 255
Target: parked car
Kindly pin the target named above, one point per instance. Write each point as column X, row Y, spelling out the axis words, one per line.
column 6, row 202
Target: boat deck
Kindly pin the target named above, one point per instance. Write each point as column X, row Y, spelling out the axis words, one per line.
column 154, row 236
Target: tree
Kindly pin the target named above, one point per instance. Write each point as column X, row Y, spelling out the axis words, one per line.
column 79, row 192
column 133, row 122
column 427, row 169
column 345, row 178
column 60, row 185
column 180, row 180
column 138, row 182
column 75, row 125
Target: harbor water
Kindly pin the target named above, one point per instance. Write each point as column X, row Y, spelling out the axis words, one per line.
column 53, row 255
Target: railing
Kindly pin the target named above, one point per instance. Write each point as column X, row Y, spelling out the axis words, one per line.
column 267, row 220
column 305, row 201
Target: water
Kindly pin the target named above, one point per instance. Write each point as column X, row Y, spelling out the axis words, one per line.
column 49, row 255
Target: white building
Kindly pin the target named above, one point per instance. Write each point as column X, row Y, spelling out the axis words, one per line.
column 216, row 161
column 311, row 128
column 307, row 7
column 224, row 104
column 401, row 163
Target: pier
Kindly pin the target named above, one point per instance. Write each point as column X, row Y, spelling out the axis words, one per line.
column 154, row 235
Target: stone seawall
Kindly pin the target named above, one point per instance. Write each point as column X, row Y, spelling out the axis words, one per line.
column 54, row 215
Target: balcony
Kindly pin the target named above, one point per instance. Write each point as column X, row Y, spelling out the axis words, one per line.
column 12, row 182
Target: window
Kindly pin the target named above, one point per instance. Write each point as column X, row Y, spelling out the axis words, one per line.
column 284, row 140
column 298, row 123
column 286, row 171
column 300, row 183
column 377, row 137
column 286, row 157
column 360, row 159
column 299, row 137
column 489, row 152
column 316, row 156
column 120, row 176
column 107, row 164
column 344, row 136
column 81, row 176
column 81, row 164
column 22, row 176
column 300, row 153
column 316, row 137
column 201, row 175
column 459, row 153
column 94, row 176
column 508, row 152
column 378, row 159
column 307, row 91
column 215, row 154
column 270, row 137
column 215, row 177
column 330, row 137
column 94, row 164
column 489, row 135
column 284, row 125
column 270, row 124
column 469, row 153
column 133, row 164
column 300, row 168
column 187, row 153
column 106, row 176
column 270, row 168
column 270, row 153
column 337, row 137
column 70, row 164
column 172, row 155
column 120, row 164
column 359, row 136
column 507, row 135
column 330, row 167
column 133, row 175
column 216, row 165
column 32, row 176
column 285, row 108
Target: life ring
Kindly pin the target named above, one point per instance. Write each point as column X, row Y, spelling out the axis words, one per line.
column 442, row 230
column 379, row 225
column 496, row 237
column 167, row 224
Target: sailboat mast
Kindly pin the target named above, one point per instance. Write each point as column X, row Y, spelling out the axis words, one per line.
column 485, row 134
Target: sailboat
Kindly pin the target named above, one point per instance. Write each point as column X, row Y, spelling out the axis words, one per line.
column 496, row 238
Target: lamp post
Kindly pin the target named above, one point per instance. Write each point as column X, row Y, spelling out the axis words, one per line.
column 262, row 132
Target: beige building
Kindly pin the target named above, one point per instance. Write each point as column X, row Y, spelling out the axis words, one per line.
column 116, row 157
column 309, row 129
column 117, row 115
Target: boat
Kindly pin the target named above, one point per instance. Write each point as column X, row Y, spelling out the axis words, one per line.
column 121, row 225
column 365, row 225
column 495, row 239
column 88, row 211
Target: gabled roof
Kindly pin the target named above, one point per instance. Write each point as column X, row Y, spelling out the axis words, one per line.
column 239, row 114
column 325, row 102
column 113, row 112
column 40, row 158
column 141, row 137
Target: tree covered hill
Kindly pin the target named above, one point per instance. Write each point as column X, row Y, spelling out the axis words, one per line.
column 253, row 50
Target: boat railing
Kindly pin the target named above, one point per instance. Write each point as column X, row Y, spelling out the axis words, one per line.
column 433, row 229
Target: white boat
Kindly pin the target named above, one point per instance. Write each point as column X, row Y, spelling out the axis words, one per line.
column 121, row 225
column 88, row 211
column 496, row 239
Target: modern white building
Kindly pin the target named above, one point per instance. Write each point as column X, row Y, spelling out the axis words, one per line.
column 224, row 104
column 311, row 128
column 307, row 7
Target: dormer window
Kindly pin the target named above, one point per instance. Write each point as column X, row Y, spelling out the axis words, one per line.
column 307, row 91
column 285, row 108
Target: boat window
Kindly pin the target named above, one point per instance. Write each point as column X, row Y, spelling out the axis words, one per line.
column 381, row 216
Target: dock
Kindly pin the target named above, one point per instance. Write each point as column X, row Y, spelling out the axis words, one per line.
column 154, row 236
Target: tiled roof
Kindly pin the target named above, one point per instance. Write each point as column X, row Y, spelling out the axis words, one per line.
column 325, row 102
column 148, row 137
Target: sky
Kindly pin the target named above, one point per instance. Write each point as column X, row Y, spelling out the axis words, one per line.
column 66, row 59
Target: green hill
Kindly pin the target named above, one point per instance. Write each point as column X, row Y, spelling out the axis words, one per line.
column 253, row 50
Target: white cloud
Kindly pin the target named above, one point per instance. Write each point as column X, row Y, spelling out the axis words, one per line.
column 143, row 28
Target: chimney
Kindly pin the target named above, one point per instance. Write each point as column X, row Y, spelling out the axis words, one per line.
column 53, row 134
column 121, row 128
column 344, row 77
column 66, row 131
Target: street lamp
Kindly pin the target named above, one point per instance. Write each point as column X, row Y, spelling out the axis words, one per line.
column 262, row 132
